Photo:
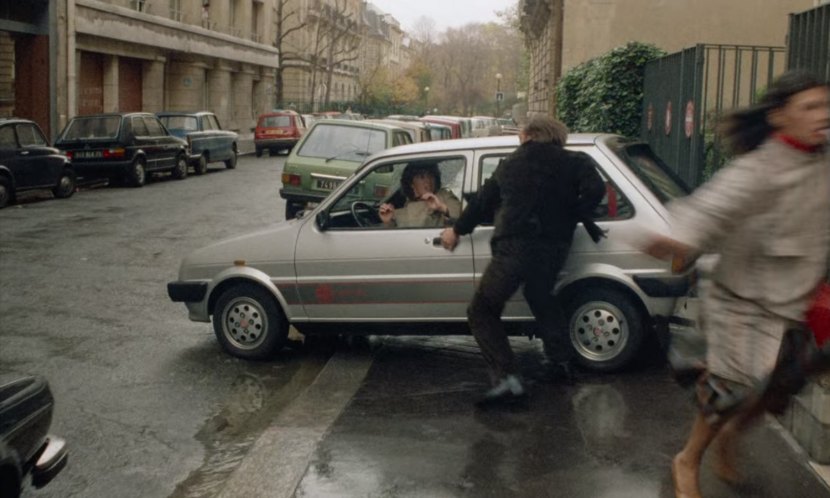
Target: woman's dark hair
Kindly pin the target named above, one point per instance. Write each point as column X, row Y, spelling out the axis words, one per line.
column 417, row 169
column 744, row 130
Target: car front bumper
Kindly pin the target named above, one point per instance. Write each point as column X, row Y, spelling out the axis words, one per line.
column 187, row 292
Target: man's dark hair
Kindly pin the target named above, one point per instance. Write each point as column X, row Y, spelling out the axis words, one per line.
column 417, row 169
column 746, row 129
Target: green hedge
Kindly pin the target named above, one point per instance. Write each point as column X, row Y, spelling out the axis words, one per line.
column 605, row 94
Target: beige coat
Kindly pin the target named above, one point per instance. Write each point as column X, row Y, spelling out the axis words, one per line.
column 768, row 216
column 416, row 213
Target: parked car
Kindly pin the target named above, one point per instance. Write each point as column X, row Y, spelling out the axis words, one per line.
column 27, row 450
column 338, row 270
column 206, row 139
column 453, row 125
column 330, row 152
column 508, row 127
column 27, row 162
column 124, row 147
column 418, row 130
column 277, row 131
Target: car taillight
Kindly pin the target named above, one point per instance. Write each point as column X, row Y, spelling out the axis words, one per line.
column 68, row 154
column 115, row 153
column 289, row 179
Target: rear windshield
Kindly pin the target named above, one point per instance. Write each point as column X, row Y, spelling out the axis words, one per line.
column 94, row 127
column 186, row 123
column 349, row 143
column 275, row 122
column 651, row 170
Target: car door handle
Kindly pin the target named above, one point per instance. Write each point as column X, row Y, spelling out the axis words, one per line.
column 434, row 241
column 24, row 152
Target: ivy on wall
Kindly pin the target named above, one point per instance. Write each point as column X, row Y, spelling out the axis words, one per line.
column 605, row 94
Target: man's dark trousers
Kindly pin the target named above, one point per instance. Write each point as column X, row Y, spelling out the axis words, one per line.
column 516, row 261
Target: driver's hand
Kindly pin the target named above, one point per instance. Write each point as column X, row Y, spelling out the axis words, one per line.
column 449, row 239
column 434, row 203
column 386, row 212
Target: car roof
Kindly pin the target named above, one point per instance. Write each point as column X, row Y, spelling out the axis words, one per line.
column 15, row 120
column 183, row 113
column 483, row 143
column 113, row 114
column 358, row 123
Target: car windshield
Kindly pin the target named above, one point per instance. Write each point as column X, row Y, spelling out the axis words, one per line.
column 96, row 127
column 185, row 123
column 276, row 121
column 651, row 170
column 349, row 143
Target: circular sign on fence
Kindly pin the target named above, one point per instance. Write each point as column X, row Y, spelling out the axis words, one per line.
column 689, row 122
column 668, row 118
column 650, row 117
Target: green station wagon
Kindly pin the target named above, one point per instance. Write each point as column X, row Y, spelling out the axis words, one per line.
column 337, row 270
column 328, row 154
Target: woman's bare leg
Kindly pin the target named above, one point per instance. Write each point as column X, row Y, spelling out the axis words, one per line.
column 686, row 464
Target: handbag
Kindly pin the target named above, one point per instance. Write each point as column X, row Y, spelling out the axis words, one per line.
column 818, row 315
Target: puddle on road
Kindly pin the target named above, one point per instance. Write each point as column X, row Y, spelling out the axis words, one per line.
column 258, row 397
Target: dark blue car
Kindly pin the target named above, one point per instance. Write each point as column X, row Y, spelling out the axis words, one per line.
column 208, row 141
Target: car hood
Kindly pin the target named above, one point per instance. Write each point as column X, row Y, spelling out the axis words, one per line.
column 261, row 248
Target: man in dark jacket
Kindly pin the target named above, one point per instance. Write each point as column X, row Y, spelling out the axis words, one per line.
column 536, row 196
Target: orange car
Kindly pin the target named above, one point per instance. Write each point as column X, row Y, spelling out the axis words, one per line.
column 277, row 131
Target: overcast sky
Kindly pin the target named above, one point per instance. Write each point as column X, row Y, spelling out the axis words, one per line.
column 445, row 13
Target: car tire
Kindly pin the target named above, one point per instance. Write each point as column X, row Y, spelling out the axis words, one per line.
column 292, row 208
column 66, row 185
column 201, row 165
column 606, row 328
column 6, row 192
column 249, row 323
column 258, row 152
column 179, row 171
column 231, row 162
column 137, row 174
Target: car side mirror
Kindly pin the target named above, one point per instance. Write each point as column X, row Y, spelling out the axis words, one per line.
column 323, row 220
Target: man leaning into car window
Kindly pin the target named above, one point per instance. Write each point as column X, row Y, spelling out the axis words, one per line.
column 536, row 197
column 426, row 204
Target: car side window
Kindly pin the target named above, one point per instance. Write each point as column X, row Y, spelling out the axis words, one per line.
column 138, row 127
column 154, row 127
column 207, row 123
column 30, row 135
column 614, row 205
column 401, row 138
column 7, row 139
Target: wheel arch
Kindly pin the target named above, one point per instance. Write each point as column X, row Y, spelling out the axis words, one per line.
column 573, row 288
column 7, row 174
column 251, row 276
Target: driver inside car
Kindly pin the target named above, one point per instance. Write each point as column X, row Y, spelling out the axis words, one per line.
column 426, row 205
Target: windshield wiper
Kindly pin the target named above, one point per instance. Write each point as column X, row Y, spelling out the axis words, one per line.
column 357, row 152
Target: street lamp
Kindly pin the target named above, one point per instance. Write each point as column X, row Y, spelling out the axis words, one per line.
column 426, row 100
column 498, row 95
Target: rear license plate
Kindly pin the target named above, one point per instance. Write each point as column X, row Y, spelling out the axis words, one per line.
column 88, row 154
column 326, row 184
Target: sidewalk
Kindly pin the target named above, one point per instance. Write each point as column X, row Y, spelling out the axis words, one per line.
column 410, row 430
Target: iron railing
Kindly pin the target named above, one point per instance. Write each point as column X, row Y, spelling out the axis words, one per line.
column 808, row 41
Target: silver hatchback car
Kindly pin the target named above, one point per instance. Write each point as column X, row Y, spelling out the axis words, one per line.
column 337, row 270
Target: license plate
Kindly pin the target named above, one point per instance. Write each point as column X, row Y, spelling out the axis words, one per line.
column 326, row 184
column 88, row 154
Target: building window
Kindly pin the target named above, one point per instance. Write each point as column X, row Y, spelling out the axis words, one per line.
column 139, row 5
column 176, row 10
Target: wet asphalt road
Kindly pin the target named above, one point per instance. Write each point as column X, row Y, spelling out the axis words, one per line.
column 149, row 404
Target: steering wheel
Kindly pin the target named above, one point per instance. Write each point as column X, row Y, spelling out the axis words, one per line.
column 362, row 212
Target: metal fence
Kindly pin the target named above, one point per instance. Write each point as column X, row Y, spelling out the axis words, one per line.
column 686, row 93
column 809, row 41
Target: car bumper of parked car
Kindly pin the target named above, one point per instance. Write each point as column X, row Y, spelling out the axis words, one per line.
column 266, row 143
column 91, row 170
column 51, row 461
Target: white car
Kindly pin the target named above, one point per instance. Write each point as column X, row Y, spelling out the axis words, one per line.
column 337, row 270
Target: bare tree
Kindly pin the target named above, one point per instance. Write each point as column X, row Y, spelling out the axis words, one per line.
column 285, row 26
column 336, row 42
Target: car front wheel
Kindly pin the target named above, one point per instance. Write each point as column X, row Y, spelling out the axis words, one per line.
column 6, row 192
column 606, row 328
column 66, row 185
column 249, row 323
column 180, row 169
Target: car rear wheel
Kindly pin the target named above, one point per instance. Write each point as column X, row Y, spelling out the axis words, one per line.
column 231, row 163
column 292, row 208
column 201, row 165
column 248, row 322
column 6, row 192
column 606, row 328
column 180, row 169
column 66, row 185
column 137, row 174
column 258, row 152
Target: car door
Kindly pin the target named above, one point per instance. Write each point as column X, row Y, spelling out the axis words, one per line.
column 140, row 139
column 12, row 158
column 37, row 167
column 219, row 145
column 347, row 272
column 166, row 146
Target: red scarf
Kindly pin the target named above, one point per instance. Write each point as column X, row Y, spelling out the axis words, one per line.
column 797, row 144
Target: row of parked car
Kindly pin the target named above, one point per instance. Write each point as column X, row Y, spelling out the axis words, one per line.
column 124, row 148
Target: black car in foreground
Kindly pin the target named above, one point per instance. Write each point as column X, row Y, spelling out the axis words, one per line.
column 27, row 162
column 124, row 147
column 26, row 447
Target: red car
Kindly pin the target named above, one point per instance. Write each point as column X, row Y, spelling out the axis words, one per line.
column 277, row 131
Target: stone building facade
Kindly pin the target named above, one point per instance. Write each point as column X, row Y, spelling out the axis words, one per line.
column 92, row 56
column 565, row 33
